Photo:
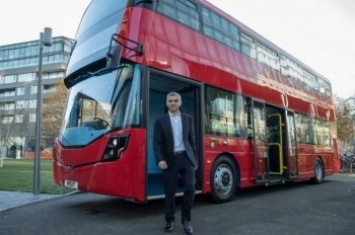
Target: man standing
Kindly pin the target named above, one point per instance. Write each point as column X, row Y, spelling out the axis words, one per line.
column 175, row 150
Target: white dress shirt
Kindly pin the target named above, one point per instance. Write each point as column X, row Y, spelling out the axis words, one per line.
column 176, row 125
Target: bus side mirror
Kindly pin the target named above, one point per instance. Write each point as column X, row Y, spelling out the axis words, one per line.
column 113, row 57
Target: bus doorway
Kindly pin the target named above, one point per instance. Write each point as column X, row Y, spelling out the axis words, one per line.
column 281, row 144
column 274, row 138
column 275, row 144
column 160, row 84
column 261, row 158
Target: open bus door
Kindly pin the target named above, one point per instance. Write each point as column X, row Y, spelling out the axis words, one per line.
column 282, row 145
column 292, row 146
column 276, row 145
column 260, row 142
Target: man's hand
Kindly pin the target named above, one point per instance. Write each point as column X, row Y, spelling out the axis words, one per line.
column 162, row 165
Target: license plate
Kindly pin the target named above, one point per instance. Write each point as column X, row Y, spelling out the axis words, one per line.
column 71, row 184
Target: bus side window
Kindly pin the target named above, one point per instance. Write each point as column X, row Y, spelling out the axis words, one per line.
column 250, row 131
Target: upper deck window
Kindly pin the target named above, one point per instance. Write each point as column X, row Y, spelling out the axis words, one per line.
column 182, row 11
column 101, row 20
column 220, row 29
column 291, row 69
column 268, row 56
column 248, row 45
column 324, row 87
column 310, row 80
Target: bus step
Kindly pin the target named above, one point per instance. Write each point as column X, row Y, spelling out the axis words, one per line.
column 276, row 181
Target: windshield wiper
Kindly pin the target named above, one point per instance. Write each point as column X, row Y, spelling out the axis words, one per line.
column 87, row 75
column 108, row 70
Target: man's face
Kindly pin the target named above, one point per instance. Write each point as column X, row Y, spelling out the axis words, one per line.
column 173, row 103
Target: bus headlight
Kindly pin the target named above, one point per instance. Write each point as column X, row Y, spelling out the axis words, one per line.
column 114, row 147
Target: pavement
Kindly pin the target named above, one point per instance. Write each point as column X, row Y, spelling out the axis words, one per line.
column 10, row 199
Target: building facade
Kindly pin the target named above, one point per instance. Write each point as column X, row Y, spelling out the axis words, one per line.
column 18, row 90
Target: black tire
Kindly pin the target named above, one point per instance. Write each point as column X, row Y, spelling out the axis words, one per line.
column 223, row 180
column 318, row 172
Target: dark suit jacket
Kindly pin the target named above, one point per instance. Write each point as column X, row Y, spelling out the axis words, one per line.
column 163, row 140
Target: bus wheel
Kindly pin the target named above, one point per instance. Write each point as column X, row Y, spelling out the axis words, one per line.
column 223, row 180
column 318, row 172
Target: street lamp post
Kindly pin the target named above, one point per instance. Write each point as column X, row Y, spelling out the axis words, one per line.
column 45, row 39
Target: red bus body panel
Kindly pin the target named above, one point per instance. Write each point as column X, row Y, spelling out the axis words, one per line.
column 177, row 49
column 118, row 178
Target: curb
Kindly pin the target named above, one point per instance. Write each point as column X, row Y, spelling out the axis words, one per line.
column 12, row 199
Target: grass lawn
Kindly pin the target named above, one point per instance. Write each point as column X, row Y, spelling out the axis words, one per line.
column 17, row 175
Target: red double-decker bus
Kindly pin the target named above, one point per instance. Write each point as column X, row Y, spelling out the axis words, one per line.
column 261, row 116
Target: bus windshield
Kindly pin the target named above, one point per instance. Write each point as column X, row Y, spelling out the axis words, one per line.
column 100, row 103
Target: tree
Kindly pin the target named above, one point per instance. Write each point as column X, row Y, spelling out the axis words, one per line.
column 344, row 112
column 7, row 126
column 53, row 107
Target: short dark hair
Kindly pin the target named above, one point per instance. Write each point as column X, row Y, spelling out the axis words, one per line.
column 173, row 93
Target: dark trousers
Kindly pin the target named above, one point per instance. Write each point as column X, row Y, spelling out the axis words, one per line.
column 182, row 166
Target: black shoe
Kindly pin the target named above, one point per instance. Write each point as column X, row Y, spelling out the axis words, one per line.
column 169, row 227
column 188, row 227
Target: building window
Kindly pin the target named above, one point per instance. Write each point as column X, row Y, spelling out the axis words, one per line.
column 67, row 47
column 8, row 119
column 7, row 93
column 32, row 104
column 10, row 79
column 26, row 77
column 7, row 106
column 20, row 104
column 10, row 106
column 20, row 90
column 33, row 90
column 48, row 89
column 5, row 55
column 54, row 75
column 19, row 118
column 32, row 117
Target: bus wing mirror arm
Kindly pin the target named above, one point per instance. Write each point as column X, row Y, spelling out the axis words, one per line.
column 114, row 53
column 113, row 56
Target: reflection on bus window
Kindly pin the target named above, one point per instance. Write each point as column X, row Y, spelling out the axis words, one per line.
column 312, row 131
column 93, row 114
column 225, row 113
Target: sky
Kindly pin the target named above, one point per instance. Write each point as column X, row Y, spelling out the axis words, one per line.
column 320, row 33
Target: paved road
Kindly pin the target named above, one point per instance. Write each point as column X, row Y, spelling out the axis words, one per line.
column 300, row 208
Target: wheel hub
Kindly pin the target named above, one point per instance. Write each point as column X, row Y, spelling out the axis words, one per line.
column 223, row 179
